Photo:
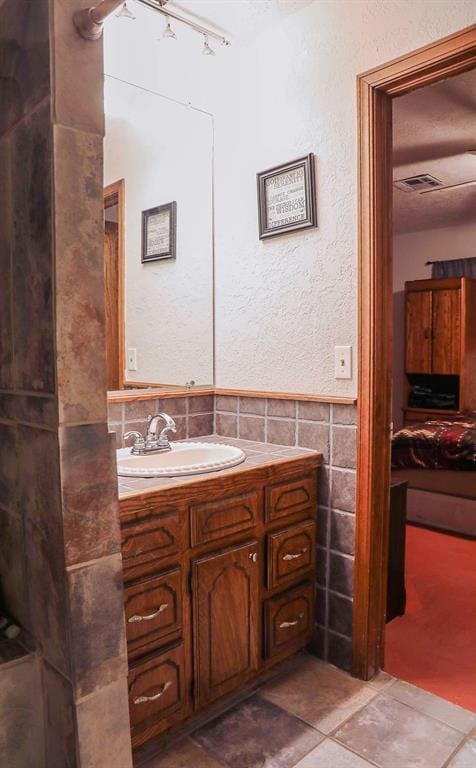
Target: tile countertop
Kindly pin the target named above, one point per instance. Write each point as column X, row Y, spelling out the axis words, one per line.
column 257, row 454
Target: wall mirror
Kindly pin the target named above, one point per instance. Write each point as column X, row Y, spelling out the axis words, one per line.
column 158, row 247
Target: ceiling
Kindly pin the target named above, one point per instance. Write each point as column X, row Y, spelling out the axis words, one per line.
column 433, row 129
column 241, row 20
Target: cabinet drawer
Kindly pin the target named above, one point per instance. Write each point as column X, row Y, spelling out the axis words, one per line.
column 293, row 497
column 216, row 519
column 156, row 689
column 288, row 619
column 291, row 553
column 153, row 537
column 153, row 609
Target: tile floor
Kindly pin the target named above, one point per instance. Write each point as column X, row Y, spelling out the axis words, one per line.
column 313, row 715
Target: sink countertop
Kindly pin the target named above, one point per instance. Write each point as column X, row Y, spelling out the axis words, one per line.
column 257, row 454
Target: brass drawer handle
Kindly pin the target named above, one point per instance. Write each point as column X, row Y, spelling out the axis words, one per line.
column 253, row 556
column 294, row 556
column 286, row 624
column 144, row 699
column 148, row 617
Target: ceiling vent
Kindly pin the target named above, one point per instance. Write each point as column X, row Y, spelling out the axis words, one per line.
column 418, row 183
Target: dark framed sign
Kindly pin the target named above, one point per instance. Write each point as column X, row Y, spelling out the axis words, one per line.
column 287, row 197
column 159, row 232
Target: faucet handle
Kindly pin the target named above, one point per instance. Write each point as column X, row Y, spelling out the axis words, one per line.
column 139, row 443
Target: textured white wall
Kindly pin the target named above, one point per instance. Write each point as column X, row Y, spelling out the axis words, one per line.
column 410, row 252
column 169, row 304
column 283, row 304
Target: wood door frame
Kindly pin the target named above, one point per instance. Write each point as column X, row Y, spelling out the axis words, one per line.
column 375, row 90
column 115, row 194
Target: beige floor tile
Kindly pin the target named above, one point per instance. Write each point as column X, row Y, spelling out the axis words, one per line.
column 465, row 757
column 318, row 693
column 182, row 754
column 332, row 755
column 443, row 710
column 381, row 680
column 257, row 734
column 393, row 735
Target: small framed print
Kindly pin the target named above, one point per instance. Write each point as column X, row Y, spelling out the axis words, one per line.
column 159, row 232
column 287, row 197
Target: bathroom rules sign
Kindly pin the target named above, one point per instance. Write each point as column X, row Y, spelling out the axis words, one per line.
column 286, row 197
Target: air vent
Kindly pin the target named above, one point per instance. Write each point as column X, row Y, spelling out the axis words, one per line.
column 418, row 183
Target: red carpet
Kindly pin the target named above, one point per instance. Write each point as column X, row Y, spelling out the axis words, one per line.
column 433, row 645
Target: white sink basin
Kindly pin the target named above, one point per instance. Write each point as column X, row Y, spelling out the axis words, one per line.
column 182, row 459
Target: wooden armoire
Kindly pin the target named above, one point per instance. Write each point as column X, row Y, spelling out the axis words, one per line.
column 440, row 348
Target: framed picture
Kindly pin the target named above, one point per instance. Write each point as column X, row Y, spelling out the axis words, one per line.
column 159, row 232
column 287, row 197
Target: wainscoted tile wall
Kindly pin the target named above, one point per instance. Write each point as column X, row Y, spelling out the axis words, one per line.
column 328, row 428
column 194, row 416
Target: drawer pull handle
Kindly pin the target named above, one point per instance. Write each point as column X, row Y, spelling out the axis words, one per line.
column 253, row 557
column 286, row 624
column 144, row 699
column 148, row 617
column 294, row 556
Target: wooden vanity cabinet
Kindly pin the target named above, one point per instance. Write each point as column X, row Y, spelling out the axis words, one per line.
column 218, row 587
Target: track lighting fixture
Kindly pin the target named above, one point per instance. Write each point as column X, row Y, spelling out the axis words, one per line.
column 207, row 50
column 168, row 31
column 124, row 12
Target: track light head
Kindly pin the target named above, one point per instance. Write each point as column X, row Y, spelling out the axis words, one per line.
column 125, row 13
column 168, row 31
column 207, row 50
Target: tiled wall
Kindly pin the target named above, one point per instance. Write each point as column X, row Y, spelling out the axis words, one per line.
column 328, row 428
column 193, row 416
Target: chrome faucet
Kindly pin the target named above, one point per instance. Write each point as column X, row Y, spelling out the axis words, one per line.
column 153, row 443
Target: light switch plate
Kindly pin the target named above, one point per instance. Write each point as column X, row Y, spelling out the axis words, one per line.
column 132, row 359
column 343, row 362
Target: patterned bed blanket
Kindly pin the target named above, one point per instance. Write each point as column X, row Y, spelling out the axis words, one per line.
column 436, row 445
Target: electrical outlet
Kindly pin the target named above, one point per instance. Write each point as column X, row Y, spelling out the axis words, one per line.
column 132, row 359
column 343, row 362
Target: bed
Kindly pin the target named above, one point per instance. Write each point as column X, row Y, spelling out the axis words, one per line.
column 438, row 460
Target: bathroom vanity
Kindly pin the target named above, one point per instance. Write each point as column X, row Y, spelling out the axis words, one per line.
column 219, row 574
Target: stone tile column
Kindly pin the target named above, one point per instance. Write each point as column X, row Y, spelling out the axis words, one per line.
column 60, row 549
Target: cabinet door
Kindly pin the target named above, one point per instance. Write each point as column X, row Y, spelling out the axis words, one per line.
column 446, row 331
column 226, row 601
column 418, row 332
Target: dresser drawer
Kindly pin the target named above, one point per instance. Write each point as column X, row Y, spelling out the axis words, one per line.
column 153, row 537
column 291, row 498
column 157, row 689
column 288, row 619
column 291, row 553
column 213, row 520
column 153, row 609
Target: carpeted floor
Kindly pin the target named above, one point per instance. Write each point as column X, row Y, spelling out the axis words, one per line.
column 434, row 645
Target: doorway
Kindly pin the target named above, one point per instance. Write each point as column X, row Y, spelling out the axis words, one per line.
column 114, row 208
column 376, row 89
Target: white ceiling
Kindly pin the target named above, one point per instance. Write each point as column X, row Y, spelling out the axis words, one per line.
column 239, row 19
column 433, row 129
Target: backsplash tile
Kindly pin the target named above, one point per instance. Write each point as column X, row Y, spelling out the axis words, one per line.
column 344, row 446
column 284, row 408
column 313, row 411
column 255, row 405
column 251, row 428
column 281, row 431
column 193, row 416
